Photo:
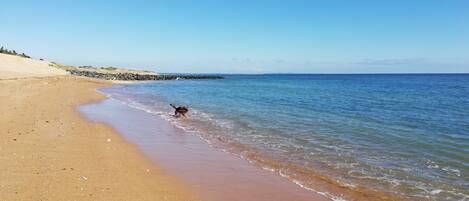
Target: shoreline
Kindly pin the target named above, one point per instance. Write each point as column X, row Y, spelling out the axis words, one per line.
column 319, row 184
column 49, row 151
column 311, row 179
column 215, row 174
column 176, row 181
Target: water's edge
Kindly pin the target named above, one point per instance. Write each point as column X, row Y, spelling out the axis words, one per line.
column 318, row 183
column 117, row 115
column 400, row 134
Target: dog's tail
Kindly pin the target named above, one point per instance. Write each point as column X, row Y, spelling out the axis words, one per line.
column 173, row 106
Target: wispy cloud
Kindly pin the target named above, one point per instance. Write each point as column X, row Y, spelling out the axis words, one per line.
column 405, row 61
column 279, row 61
column 241, row 60
column 250, row 60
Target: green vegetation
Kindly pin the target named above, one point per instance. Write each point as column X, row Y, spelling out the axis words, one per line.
column 12, row 52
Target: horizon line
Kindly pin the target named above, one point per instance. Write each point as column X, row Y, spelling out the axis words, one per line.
column 299, row 73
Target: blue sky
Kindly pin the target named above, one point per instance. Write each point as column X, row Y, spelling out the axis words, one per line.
column 238, row 36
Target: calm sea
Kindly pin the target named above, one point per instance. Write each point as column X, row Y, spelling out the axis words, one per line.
column 405, row 134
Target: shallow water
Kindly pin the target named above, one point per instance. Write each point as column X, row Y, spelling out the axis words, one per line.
column 405, row 134
column 214, row 174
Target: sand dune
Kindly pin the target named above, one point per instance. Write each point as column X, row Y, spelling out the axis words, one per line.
column 18, row 67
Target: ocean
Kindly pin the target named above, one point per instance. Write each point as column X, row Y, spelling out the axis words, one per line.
column 406, row 134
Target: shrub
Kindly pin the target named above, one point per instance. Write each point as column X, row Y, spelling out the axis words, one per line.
column 12, row 52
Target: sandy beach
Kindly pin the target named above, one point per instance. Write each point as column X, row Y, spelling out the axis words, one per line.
column 50, row 152
column 12, row 67
column 63, row 140
column 234, row 101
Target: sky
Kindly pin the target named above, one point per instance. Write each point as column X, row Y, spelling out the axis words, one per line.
column 254, row 36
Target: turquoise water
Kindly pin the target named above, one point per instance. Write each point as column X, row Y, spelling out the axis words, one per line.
column 405, row 134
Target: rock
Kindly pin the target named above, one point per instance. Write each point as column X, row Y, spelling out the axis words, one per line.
column 134, row 76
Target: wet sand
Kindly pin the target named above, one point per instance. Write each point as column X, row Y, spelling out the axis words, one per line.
column 213, row 173
column 48, row 151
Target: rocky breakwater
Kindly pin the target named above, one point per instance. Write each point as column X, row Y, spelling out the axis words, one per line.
column 136, row 76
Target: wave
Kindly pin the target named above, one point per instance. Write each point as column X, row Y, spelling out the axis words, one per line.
column 332, row 183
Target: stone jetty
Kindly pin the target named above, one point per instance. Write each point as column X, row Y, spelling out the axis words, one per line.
column 136, row 76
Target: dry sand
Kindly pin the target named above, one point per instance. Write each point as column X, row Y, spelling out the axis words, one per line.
column 12, row 66
column 48, row 151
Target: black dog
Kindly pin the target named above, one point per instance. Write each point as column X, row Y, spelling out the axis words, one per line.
column 181, row 110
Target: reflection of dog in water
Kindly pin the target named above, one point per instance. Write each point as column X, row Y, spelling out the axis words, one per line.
column 181, row 110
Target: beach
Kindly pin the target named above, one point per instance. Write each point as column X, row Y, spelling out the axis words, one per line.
column 52, row 148
column 212, row 172
column 67, row 137
column 234, row 101
column 50, row 152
